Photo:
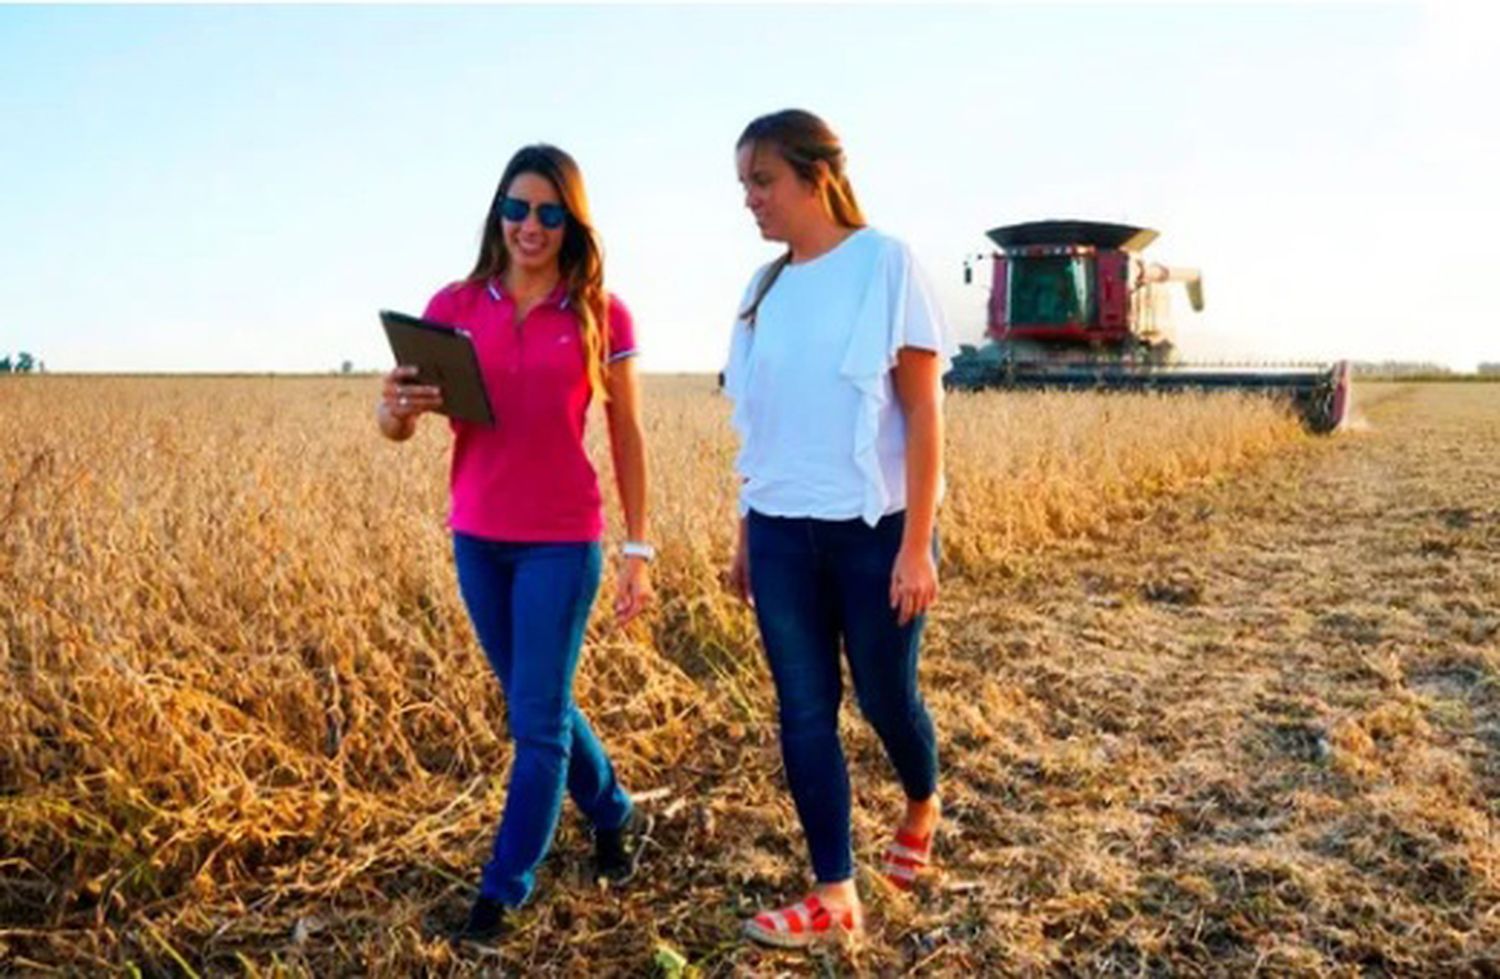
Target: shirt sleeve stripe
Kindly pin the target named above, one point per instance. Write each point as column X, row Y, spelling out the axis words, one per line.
column 622, row 354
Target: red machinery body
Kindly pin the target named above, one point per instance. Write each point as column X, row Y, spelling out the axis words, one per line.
column 1060, row 286
column 1108, row 326
column 1073, row 305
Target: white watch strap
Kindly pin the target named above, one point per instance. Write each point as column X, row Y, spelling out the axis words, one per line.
column 640, row 549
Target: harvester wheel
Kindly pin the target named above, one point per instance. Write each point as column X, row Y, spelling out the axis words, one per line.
column 1318, row 414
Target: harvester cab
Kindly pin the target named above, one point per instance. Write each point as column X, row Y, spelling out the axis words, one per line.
column 1073, row 305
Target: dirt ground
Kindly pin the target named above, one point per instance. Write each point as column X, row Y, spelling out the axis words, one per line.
column 1252, row 729
column 1257, row 730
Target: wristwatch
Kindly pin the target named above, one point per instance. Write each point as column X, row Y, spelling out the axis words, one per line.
column 636, row 548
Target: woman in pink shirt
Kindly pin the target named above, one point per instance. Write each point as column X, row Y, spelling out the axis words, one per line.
column 526, row 514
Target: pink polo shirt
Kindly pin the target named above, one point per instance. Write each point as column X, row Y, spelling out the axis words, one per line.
column 526, row 477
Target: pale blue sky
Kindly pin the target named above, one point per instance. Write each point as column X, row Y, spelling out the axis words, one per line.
column 241, row 188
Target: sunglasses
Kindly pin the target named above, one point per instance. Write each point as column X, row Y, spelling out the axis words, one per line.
column 551, row 216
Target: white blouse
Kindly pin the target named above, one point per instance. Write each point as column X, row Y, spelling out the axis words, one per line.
column 821, row 431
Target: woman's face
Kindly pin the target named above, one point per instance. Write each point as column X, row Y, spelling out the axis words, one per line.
column 781, row 202
column 532, row 245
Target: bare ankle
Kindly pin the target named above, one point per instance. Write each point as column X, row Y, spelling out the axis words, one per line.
column 922, row 816
column 838, row 895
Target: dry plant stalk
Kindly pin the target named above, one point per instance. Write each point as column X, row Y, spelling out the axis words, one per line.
column 245, row 728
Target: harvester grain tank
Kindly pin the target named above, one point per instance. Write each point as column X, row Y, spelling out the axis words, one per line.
column 1074, row 306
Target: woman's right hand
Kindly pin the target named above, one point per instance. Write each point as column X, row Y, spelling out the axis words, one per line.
column 404, row 400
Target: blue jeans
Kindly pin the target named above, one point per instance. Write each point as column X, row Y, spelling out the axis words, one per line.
column 817, row 582
column 529, row 604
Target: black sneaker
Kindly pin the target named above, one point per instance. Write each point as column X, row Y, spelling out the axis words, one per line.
column 617, row 852
column 486, row 923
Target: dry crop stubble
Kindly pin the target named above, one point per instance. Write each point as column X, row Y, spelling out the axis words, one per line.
column 244, row 720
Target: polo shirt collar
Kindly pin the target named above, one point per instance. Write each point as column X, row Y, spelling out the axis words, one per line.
column 557, row 297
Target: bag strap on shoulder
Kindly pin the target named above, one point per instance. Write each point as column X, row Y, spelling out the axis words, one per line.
column 766, row 282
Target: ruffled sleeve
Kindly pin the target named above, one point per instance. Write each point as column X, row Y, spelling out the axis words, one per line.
column 737, row 371
column 899, row 310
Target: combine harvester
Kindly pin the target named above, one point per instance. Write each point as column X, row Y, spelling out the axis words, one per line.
column 1074, row 307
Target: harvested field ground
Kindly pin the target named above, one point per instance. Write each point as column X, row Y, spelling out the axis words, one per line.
column 1214, row 698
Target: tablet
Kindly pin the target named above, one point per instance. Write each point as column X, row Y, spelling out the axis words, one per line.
column 444, row 356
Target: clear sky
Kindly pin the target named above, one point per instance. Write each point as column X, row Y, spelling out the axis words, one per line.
column 241, row 188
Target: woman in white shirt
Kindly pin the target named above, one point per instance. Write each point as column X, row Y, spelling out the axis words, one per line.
column 835, row 369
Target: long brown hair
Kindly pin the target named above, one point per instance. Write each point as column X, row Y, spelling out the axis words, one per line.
column 580, row 260
column 804, row 141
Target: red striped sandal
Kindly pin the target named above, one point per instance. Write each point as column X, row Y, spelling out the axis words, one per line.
column 906, row 857
column 805, row 923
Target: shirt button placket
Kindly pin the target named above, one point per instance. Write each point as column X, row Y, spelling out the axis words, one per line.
column 516, row 336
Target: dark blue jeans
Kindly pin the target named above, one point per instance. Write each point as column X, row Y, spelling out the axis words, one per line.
column 818, row 583
column 529, row 604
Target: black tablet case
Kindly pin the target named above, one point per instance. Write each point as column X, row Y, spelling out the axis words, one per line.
column 444, row 356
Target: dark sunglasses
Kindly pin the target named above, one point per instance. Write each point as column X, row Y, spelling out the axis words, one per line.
column 551, row 216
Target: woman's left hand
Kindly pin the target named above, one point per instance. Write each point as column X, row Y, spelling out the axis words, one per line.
column 914, row 584
column 633, row 590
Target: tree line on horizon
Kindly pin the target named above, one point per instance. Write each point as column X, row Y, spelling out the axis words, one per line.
column 21, row 363
column 1409, row 369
